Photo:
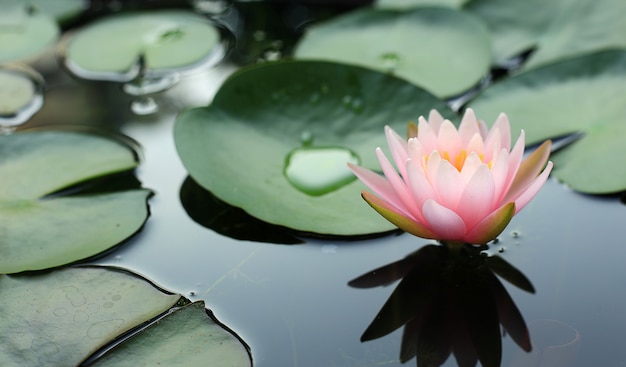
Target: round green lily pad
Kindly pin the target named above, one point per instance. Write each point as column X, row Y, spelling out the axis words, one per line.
column 584, row 94
column 559, row 29
column 116, row 47
column 241, row 146
column 41, row 227
column 21, row 94
column 442, row 50
column 63, row 317
column 24, row 33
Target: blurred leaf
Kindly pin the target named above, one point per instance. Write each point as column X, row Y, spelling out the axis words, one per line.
column 442, row 50
column 113, row 47
column 238, row 147
column 43, row 227
column 23, row 33
column 583, row 94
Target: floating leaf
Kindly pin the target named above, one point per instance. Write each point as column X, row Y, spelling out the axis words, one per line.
column 62, row 318
column 186, row 337
column 239, row 147
column 443, row 50
column 40, row 230
column 404, row 4
column 117, row 46
column 21, row 94
column 559, row 28
column 584, row 94
column 24, row 33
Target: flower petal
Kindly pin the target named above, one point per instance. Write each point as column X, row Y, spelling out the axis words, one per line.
column 476, row 202
column 398, row 148
column 426, row 135
column 378, row 184
column 448, row 139
column 420, row 186
column 435, row 120
column 399, row 186
column 490, row 227
column 449, row 185
column 396, row 218
column 443, row 221
column 468, row 127
column 529, row 170
column 533, row 188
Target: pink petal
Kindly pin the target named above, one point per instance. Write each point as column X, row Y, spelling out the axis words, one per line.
column 416, row 150
column 449, row 185
column 398, row 185
column 515, row 159
column 468, row 127
column 472, row 162
column 420, row 186
column 490, row 227
column 448, row 139
column 402, row 222
column 398, row 148
column 504, row 128
column 426, row 135
column 532, row 189
column 435, row 120
column 529, row 169
column 476, row 201
column 443, row 221
column 499, row 171
column 378, row 184
column 476, row 144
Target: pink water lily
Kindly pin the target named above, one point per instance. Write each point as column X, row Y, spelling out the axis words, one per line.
column 456, row 185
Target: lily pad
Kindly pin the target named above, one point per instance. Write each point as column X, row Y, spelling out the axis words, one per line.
column 62, row 318
column 559, row 29
column 188, row 336
column 41, row 227
column 21, row 94
column 24, row 33
column 443, row 50
column 584, row 94
column 118, row 47
column 404, row 4
column 239, row 147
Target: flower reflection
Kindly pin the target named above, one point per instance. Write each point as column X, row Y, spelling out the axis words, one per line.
column 456, row 185
column 450, row 302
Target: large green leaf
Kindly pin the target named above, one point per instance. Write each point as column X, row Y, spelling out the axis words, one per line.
column 238, row 147
column 39, row 230
column 115, row 46
column 443, row 50
column 186, row 337
column 60, row 318
column 516, row 26
column 63, row 317
column 558, row 28
column 584, row 94
column 23, row 33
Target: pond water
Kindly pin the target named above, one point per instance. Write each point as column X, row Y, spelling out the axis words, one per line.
column 292, row 303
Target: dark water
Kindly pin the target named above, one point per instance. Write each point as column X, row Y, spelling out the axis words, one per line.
column 292, row 303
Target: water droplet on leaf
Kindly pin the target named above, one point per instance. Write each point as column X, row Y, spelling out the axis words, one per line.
column 318, row 171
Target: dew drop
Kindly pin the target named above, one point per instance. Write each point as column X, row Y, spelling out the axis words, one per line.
column 501, row 249
column 390, row 60
column 515, row 234
column 306, row 138
column 143, row 106
column 192, row 293
column 318, row 171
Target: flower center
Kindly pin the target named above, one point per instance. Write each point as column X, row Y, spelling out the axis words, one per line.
column 458, row 161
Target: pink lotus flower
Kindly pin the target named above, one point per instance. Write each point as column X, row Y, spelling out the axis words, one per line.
column 454, row 185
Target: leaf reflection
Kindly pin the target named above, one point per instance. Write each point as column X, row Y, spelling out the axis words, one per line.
column 450, row 302
column 209, row 211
